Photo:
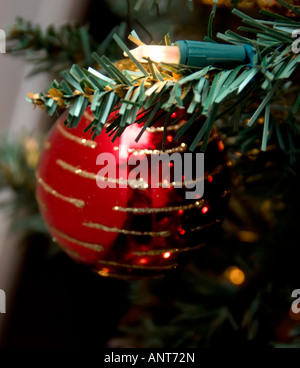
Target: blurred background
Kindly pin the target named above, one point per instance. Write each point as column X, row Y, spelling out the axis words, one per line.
column 18, row 118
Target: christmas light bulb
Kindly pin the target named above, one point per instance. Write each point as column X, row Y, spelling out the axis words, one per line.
column 196, row 54
column 158, row 54
column 235, row 275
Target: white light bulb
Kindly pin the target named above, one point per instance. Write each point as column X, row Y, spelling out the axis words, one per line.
column 158, row 54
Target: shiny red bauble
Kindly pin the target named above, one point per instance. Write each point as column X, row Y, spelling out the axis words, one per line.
column 122, row 230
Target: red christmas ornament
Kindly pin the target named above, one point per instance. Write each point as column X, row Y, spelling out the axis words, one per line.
column 132, row 230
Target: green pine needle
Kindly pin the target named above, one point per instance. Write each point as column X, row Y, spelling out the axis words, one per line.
column 201, row 91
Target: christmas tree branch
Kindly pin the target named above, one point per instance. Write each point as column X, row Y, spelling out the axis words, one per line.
column 154, row 5
column 129, row 91
column 54, row 50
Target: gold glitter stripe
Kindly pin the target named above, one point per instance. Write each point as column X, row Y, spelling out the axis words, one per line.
column 198, row 228
column 92, row 246
column 175, row 127
column 158, row 252
column 47, row 145
column 216, row 171
column 72, row 253
column 127, row 277
column 197, row 204
column 74, row 201
column 140, row 184
column 169, row 128
column 140, row 267
column 88, row 175
column 181, row 148
column 81, row 141
column 126, row 232
column 41, row 203
column 88, row 116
